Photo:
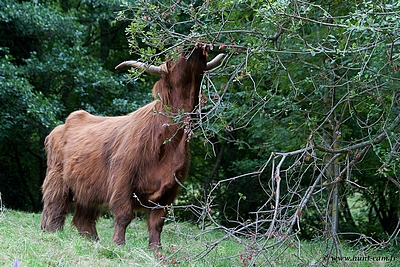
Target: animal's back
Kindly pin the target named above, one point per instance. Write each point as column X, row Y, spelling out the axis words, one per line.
column 94, row 152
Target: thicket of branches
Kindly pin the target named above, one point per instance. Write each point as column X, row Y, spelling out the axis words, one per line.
column 308, row 96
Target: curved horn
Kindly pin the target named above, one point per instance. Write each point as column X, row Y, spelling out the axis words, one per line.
column 142, row 66
column 215, row 62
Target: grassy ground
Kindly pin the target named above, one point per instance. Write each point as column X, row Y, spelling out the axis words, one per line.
column 183, row 245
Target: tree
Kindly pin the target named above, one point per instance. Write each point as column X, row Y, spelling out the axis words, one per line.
column 26, row 116
column 309, row 93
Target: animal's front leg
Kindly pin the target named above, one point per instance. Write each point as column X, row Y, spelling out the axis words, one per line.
column 155, row 223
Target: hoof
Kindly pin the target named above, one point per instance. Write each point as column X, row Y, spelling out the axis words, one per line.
column 119, row 242
column 155, row 246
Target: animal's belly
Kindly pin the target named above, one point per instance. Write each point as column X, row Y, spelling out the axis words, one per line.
column 88, row 182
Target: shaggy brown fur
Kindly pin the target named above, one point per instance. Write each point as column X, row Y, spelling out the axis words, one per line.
column 92, row 160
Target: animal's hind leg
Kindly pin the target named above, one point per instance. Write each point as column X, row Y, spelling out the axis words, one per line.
column 56, row 202
column 122, row 208
column 85, row 221
column 121, row 220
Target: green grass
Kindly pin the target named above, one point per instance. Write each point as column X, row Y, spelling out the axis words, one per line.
column 183, row 245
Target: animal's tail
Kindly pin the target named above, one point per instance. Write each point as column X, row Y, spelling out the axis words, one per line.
column 56, row 195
